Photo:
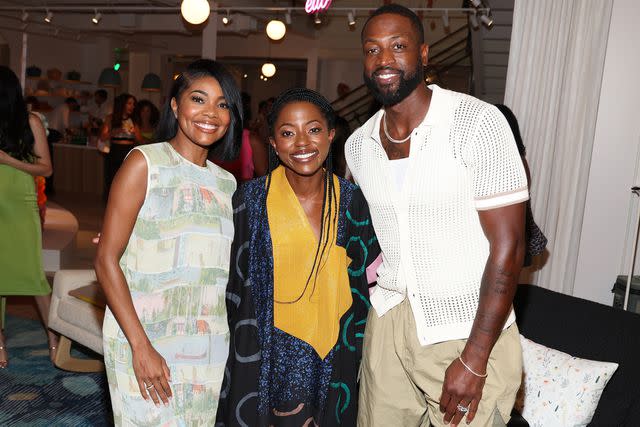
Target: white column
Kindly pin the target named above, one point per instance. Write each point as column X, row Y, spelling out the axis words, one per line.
column 23, row 59
column 210, row 35
column 312, row 70
column 138, row 67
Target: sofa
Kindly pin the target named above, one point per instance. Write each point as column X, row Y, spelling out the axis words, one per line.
column 592, row 331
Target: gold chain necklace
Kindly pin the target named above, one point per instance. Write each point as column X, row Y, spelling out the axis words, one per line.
column 386, row 132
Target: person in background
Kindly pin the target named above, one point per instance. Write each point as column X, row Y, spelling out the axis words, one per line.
column 447, row 192
column 23, row 156
column 298, row 290
column 343, row 131
column 44, row 185
column 343, row 89
column 146, row 116
column 98, row 109
column 122, row 134
column 163, row 258
column 60, row 118
column 252, row 160
column 260, row 125
column 535, row 240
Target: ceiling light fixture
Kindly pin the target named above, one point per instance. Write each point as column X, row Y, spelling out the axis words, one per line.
column 351, row 18
column 487, row 20
column 96, row 17
column 48, row 17
column 268, row 69
column 195, row 11
column 276, row 29
column 473, row 20
column 151, row 83
column 226, row 20
column 317, row 19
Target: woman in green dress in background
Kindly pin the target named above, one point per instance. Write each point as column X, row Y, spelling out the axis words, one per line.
column 24, row 154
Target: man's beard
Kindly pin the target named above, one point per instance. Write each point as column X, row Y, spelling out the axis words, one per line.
column 406, row 85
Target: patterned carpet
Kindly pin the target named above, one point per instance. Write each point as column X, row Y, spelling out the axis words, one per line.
column 35, row 393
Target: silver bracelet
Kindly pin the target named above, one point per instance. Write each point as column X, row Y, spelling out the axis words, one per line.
column 471, row 370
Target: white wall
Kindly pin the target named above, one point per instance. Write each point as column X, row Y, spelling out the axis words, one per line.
column 331, row 72
column 614, row 163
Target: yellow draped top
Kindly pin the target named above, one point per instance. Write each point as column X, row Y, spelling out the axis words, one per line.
column 315, row 316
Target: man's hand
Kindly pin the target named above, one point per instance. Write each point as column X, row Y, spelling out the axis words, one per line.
column 463, row 388
column 504, row 229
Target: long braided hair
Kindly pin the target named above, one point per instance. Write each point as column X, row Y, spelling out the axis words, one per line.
column 329, row 212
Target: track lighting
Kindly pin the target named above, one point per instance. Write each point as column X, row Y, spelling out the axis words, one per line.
column 473, row 20
column 317, row 19
column 226, row 20
column 287, row 17
column 97, row 16
column 25, row 16
column 445, row 19
column 48, row 17
column 487, row 20
column 351, row 18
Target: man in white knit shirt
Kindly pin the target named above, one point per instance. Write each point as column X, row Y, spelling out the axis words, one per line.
column 447, row 192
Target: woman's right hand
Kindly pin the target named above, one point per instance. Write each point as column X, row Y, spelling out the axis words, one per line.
column 152, row 374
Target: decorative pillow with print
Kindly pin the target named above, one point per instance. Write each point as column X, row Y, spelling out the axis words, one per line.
column 561, row 390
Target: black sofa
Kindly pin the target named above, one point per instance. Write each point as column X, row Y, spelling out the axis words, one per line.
column 590, row 331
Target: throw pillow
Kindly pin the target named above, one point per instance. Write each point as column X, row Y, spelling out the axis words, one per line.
column 561, row 390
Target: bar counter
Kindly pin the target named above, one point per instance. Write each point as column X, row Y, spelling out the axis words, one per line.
column 78, row 169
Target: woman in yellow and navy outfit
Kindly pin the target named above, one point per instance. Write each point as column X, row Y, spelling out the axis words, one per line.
column 298, row 294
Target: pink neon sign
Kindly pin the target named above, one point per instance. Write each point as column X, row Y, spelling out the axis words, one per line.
column 313, row 6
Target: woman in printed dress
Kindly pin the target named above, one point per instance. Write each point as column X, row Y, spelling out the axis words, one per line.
column 163, row 258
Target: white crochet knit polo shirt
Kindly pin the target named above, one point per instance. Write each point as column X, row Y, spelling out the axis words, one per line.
column 463, row 159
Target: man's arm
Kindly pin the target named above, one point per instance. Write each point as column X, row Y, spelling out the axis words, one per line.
column 504, row 229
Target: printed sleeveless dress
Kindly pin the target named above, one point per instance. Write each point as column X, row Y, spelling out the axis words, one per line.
column 176, row 265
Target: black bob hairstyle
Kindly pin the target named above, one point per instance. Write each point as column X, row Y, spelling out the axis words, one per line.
column 229, row 146
column 396, row 9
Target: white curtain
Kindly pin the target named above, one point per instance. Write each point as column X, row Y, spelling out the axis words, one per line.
column 555, row 69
